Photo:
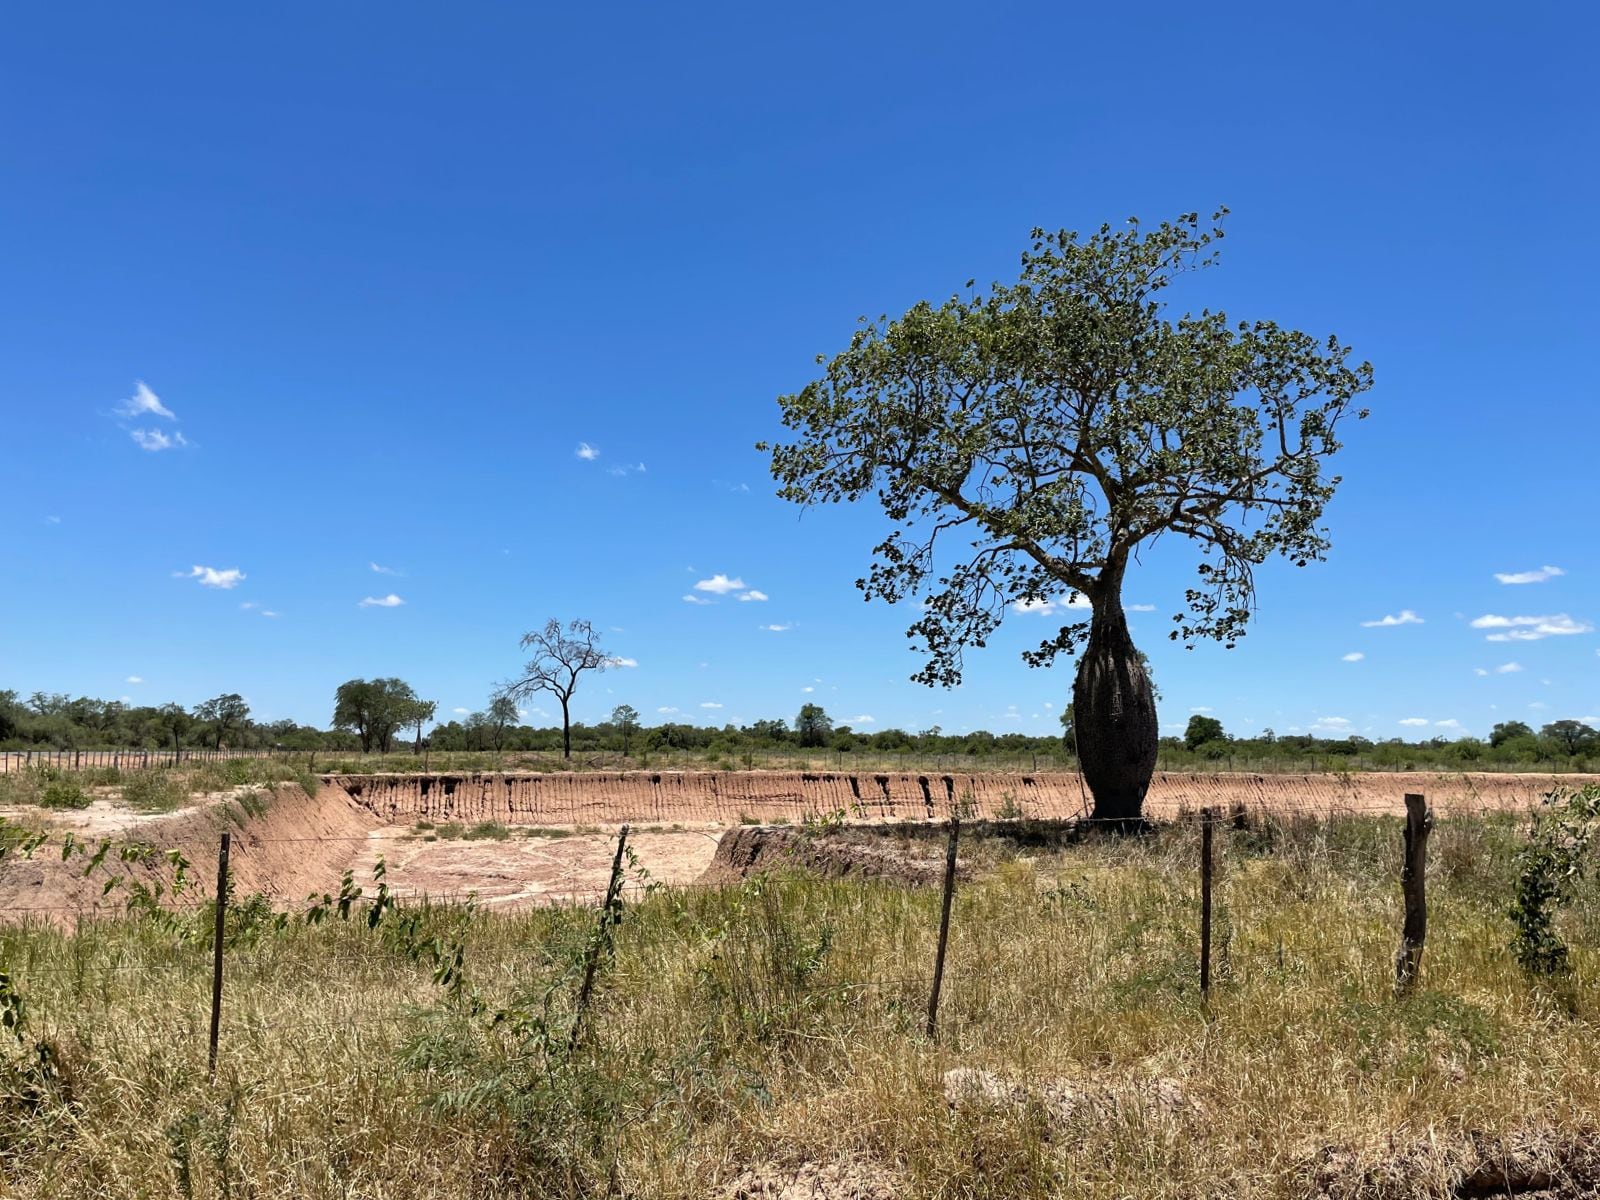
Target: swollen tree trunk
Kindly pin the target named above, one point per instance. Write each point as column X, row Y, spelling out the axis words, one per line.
column 1114, row 715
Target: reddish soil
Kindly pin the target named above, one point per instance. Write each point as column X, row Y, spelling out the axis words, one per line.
column 730, row 798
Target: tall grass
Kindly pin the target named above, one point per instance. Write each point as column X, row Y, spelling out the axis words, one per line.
column 780, row 1020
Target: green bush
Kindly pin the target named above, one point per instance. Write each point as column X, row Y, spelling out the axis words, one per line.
column 153, row 791
column 64, row 793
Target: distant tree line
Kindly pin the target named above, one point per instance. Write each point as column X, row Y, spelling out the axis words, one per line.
column 384, row 715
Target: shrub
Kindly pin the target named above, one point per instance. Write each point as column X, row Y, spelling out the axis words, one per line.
column 64, row 793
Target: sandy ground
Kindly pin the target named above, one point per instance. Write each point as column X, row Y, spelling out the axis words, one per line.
column 532, row 870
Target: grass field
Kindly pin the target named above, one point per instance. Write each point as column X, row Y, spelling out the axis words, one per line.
column 777, row 1023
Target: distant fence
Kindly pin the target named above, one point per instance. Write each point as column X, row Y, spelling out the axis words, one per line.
column 84, row 760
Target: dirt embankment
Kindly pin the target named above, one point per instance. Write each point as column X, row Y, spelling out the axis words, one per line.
column 772, row 796
column 285, row 845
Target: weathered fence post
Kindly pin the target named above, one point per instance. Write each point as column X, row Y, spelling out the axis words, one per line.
column 1205, row 901
column 1413, row 886
column 216, row 954
column 608, row 918
column 944, row 925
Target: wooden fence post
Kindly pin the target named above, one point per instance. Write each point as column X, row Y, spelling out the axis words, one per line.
column 216, row 954
column 608, row 917
column 1413, row 887
column 1205, row 901
column 944, row 926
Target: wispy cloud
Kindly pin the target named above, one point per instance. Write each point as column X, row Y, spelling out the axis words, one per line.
column 385, row 570
column 52, row 520
column 1333, row 726
column 267, row 612
column 1539, row 576
column 463, row 712
column 709, row 704
column 777, row 628
column 1509, row 668
column 144, row 403
column 1141, row 608
column 720, row 585
column 619, row 661
column 389, row 601
column 1530, row 629
column 752, row 594
column 1045, row 608
column 666, row 709
column 864, row 719
column 808, row 688
column 1202, row 708
column 1405, row 617
column 1353, row 656
column 1414, row 722
column 154, row 440
column 691, row 598
column 627, row 469
column 213, row 578
column 586, row 452
column 134, row 679
column 1447, row 723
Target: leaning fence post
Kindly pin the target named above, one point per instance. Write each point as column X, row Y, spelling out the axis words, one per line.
column 1205, row 901
column 216, row 954
column 608, row 918
column 944, row 925
column 1413, row 886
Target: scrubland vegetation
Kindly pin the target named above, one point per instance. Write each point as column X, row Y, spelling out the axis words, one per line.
column 780, row 1021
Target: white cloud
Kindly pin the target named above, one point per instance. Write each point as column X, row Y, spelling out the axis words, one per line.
column 808, row 689
column 1141, row 608
column 1479, row 671
column 666, row 708
column 144, row 403
column 776, row 628
column 385, row 570
column 154, row 439
column 1335, row 726
column 1530, row 629
column 691, row 598
column 1448, row 723
column 1045, row 608
column 710, row 704
column 1538, row 704
column 267, row 612
column 1406, row 617
column 627, row 469
column 1414, row 721
column 134, row 679
column 1353, row 656
column 752, row 594
column 389, row 601
column 52, row 520
column 586, row 452
column 1509, row 668
column 622, row 662
column 863, row 719
column 1539, row 576
column 720, row 584
column 211, row 577
column 1202, row 708
column 462, row 711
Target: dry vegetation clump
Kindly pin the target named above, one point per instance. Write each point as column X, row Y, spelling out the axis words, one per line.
column 765, row 1037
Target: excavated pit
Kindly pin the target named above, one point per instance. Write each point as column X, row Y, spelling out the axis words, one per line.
column 769, row 797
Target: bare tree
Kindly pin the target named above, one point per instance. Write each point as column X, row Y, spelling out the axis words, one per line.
column 559, row 657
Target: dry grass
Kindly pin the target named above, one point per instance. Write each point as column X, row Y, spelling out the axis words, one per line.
column 780, row 1022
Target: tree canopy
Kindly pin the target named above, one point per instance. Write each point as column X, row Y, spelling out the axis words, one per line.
column 560, row 656
column 1023, row 442
column 374, row 708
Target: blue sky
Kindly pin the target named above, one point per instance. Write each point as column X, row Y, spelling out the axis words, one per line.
column 389, row 268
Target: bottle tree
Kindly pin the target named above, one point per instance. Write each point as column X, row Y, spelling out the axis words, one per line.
column 1025, row 441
